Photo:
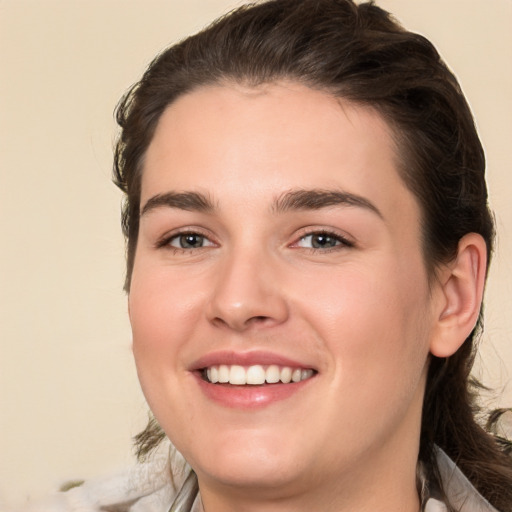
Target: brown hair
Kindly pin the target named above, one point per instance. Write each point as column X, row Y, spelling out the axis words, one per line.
column 360, row 53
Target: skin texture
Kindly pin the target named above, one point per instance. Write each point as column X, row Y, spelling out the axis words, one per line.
column 360, row 311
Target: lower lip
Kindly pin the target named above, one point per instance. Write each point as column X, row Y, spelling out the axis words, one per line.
column 249, row 396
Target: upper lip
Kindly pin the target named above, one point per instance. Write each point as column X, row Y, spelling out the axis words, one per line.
column 249, row 358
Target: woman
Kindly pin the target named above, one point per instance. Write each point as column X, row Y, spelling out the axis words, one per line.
column 308, row 239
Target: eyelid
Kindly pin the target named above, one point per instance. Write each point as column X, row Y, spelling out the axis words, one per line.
column 164, row 240
column 343, row 238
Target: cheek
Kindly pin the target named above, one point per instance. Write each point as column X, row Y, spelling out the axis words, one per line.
column 375, row 322
column 371, row 326
column 162, row 317
column 361, row 297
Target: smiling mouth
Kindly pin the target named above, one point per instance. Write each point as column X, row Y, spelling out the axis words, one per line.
column 255, row 375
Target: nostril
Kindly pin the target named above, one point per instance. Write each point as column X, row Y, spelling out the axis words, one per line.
column 258, row 319
column 242, row 311
column 242, row 323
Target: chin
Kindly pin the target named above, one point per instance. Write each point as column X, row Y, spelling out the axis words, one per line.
column 251, row 474
column 248, row 463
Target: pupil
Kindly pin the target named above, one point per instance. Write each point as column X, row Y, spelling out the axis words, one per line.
column 189, row 241
column 323, row 241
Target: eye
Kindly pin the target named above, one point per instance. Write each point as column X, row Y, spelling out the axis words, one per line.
column 322, row 240
column 188, row 241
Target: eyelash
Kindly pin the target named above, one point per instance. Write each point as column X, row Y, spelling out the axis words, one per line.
column 165, row 242
column 340, row 241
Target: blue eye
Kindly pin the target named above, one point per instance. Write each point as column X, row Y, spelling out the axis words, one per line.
column 189, row 241
column 321, row 241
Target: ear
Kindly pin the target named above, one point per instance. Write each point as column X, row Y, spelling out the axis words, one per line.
column 461, row 287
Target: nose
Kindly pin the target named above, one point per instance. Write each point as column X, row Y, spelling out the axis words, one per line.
column 247, row 294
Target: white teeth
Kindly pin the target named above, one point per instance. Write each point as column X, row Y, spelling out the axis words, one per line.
column 296, row 375
column 223, row 374
column 286, row 375
column 256, row 374
column 273, row 374
column 306, row 374
column 237, row 375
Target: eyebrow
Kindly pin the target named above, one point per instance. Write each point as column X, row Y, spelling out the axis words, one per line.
column 317, row 199
column 293, row 200
column 192, row 201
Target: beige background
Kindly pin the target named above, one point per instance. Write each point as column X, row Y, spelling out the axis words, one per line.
column 69, row 399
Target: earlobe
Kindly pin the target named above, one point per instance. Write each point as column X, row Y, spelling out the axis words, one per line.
column 462, row 284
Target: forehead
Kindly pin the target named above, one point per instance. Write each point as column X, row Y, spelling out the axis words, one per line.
column 231, row 140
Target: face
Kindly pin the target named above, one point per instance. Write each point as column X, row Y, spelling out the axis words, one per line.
column 279, row 302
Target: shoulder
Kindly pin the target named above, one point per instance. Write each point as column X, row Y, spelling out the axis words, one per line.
column 145, row 487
